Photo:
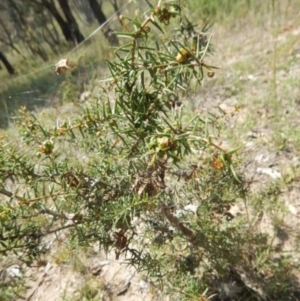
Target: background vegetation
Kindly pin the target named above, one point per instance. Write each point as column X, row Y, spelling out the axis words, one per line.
column 140, row 165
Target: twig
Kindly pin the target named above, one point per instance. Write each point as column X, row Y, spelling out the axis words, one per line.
column 175, row 222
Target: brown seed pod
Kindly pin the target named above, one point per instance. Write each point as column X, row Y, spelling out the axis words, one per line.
column 210, row 74
column 47, row 147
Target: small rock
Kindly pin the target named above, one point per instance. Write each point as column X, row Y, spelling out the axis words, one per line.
column 274, row 174
column 262, row 158
column 252, row 77
column 84, row 96
column 14, row 271
column 292, row 209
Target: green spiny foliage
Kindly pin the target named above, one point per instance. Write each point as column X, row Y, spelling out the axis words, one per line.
column 139, row 163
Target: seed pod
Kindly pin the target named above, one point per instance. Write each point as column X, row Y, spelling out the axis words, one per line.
column 47, row 147
column 210, row 74
column 182, row 56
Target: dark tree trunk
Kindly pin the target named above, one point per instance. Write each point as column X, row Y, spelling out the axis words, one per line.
column 25, row 31
column 6, row 63
column 64, row 26
column 108, row 33
column 64, row 4
column 8, row 36
column 116, row 7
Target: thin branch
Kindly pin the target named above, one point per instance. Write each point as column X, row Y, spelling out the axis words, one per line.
column 175, row 222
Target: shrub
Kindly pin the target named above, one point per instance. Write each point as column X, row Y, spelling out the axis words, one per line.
column 135, row 172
